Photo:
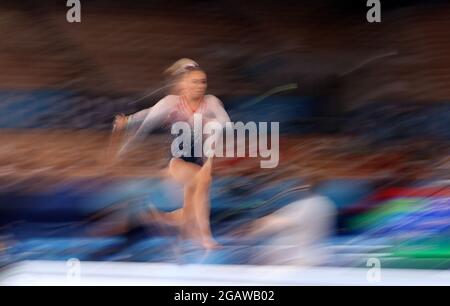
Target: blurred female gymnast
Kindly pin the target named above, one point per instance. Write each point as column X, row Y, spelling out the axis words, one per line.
column 188, row 98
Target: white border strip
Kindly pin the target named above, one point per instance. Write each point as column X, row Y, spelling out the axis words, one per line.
column 125, row 273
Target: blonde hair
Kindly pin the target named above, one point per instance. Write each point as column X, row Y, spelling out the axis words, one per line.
column 180, row 67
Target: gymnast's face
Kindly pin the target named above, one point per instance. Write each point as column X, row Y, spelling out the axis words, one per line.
column 195, row 84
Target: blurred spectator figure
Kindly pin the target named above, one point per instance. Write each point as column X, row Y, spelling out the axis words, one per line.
column 297, row 233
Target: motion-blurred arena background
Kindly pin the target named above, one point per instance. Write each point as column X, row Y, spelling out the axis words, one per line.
column 363, row 107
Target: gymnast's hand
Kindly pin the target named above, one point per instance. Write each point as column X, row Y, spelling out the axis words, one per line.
column 120, row 122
